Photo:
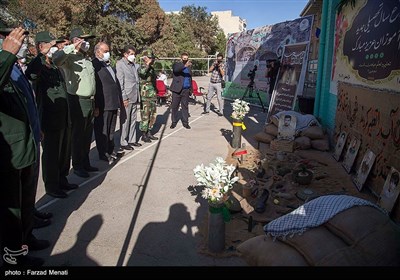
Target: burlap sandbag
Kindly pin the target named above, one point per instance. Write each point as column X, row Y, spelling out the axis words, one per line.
column 271, row 129
column 313, row 132
column 262, row 251
column 302, row 143
column 264, row 137
column 320, row 144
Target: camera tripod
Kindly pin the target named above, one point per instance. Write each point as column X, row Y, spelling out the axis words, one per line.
column 249, row 90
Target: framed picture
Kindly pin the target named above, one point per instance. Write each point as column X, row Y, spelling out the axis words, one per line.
column 390, row 191
column 340, row 145
column 287, row 127
column 351, row 154
column 364, row 169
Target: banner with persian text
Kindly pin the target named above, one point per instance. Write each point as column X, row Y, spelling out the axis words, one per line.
column 290, row 80
column 367, row 45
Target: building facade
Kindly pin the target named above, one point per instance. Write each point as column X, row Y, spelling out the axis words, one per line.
column 230, row 23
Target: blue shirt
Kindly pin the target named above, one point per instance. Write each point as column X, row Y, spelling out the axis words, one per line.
column 24, row 86
column 186, row 78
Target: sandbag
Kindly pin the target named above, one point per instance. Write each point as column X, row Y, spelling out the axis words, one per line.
column 264, row 137
column 320, row 144
column 313, row 132
column 302, row 143
column 271, row 129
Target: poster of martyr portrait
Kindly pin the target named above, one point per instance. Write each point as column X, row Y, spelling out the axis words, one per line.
column 390, row 191
column 340, row 145
column 364, row 169
column 287, row 127
column 351, row 154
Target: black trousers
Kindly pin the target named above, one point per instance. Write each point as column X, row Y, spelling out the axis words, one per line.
column 104, row 129
column 181, row 99
column 81, row 110
column 56, row 158
column 17, row 200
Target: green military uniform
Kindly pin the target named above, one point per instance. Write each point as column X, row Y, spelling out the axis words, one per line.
column 55, row 122
column 18, row 155
column 148, row 96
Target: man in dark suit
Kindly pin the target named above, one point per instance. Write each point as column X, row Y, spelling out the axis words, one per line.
column 54, row 117
column 19, row 137
column 108, row 100
column 181, row 87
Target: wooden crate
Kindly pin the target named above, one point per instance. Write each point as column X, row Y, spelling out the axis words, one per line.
column 282, row 145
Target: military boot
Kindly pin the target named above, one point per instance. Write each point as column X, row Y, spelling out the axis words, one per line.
column 150, row 136
column 146, row 138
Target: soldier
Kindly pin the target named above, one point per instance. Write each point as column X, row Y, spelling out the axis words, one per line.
column 54, row 117
column 148, row 94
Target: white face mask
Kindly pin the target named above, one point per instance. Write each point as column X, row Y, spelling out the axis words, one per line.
column 131, row 58
column 106, row 56
column 85, row 46
column 51, row 52
column 22, row 51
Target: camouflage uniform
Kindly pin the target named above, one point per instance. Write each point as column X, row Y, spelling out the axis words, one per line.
column 148, row 94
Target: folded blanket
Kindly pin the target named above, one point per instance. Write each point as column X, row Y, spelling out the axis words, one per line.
column 313, row 214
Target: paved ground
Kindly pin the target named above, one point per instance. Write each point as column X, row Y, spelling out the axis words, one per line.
column 139, row 211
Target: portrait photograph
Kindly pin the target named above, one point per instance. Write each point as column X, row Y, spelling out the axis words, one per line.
column 340, row 142
column 364, row 169
column 390, row 191
column 351, row 154
column 287, row 127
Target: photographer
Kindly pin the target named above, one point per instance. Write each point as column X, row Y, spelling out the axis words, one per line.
column 252, row 75
column 217, row 70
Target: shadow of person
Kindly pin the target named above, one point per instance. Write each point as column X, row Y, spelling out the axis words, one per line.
column 78, row 254
column 166, row 243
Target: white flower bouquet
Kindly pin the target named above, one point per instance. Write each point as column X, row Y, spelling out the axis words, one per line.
column 217, row 179
column 240, row 109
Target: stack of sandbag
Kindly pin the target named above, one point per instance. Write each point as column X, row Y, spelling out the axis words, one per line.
column 308, row 135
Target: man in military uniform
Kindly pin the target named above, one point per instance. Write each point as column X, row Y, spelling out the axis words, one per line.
column 19, row 137
column 148, row 94
column 81, row 88
column 54, row 116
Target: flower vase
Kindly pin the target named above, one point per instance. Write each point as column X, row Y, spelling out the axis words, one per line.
column 237, row 133
column 216, row 228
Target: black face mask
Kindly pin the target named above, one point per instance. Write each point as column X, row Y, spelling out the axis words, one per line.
column 184, row 61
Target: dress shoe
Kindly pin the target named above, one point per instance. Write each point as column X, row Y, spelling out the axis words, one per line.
column 152, row 137
column 173, row 125
column 220, row 114
column 42, row 215
column 187, row 126
column 145, row 138
column 58, row 194
column 91, row 169
column 35, row 244
column 39, row 223
column 136, row 144
column 82, row 173
column 127, row 147
column 67, row 186
column 29, row 261
column 205, row 113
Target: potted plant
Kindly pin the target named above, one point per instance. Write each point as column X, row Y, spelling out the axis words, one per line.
column 303, row 176
column 240, row 109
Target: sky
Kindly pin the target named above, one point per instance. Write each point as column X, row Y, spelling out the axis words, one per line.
column 256, row 12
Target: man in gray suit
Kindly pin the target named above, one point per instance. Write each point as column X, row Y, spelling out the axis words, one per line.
column 127, row 75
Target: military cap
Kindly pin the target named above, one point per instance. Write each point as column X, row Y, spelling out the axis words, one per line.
column 44, row 36
column 78, row 33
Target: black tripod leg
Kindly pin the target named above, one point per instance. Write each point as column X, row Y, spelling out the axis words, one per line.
column 262, row 104
column 244, row 94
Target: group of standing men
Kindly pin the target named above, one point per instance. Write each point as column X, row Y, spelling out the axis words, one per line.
column 57, row 102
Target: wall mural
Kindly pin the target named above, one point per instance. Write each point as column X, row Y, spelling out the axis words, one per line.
column 367, row 44
column 254, row 47
column 376, row 122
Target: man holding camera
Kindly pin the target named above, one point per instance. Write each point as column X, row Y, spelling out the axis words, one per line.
column 217, row 72
column 272, row 72
column 181, row 89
